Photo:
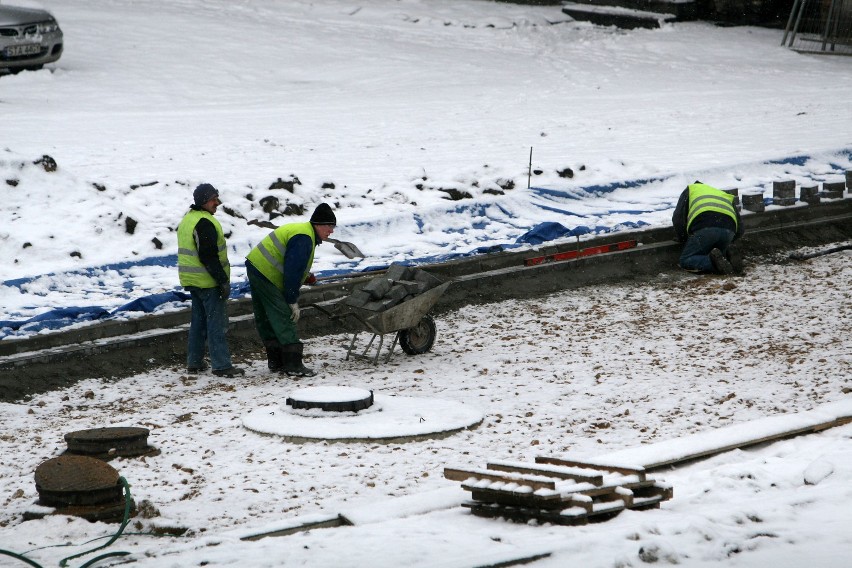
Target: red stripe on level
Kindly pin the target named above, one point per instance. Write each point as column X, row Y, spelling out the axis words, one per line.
column 568, row 255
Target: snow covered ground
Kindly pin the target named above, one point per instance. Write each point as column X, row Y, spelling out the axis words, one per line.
column 583, row 373
column 374, row 96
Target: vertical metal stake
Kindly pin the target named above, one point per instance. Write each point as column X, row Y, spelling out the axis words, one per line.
column 790, row 21
column 798, row 20
column 529, row 171
column 826, row 33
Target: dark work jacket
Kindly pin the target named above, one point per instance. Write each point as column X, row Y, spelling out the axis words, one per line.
column 206, row 240
column 703, row 221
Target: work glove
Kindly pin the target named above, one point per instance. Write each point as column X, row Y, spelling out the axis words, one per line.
column 294, row 316
column 311, row 279
column 225, row 290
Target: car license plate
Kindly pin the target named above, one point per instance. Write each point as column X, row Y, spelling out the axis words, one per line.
column 26, row 49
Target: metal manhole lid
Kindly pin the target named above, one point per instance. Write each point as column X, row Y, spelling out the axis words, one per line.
column 106, row 442
column 117, row 433
column 75, row 474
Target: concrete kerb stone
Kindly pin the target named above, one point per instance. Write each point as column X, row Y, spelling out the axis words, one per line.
column 45, row 362
column 833, row 190
column 784, row 193
column 378, row 287
column 398, row 272
column 753, row 202
column 810, row 194
column 398, row 284
column 398, row 292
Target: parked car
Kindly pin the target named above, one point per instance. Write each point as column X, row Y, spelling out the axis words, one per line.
column 29, row 38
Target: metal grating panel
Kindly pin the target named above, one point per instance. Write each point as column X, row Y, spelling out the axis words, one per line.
column 820, row 26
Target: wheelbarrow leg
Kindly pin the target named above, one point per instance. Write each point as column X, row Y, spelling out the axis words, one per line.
column 392, row 347
column 367, row 352
column 378, row 349
column 351, row 346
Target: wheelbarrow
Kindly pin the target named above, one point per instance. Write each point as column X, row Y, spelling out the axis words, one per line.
column 409, row 320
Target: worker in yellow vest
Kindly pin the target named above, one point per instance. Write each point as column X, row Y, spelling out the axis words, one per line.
column 707, row 220
column 205, row 272
column 276, row 269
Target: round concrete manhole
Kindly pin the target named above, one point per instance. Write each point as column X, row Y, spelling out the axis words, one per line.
column 389, row 418
column 331, row 399
column 81, row 486
column 109, row 442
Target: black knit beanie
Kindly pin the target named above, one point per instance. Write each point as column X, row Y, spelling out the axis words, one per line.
column 204, row 193
column 323, row 215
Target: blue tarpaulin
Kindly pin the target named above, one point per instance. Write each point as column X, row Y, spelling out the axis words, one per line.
column 550, row 231
column 149, row 303
column 58, row 318
column 62, row 317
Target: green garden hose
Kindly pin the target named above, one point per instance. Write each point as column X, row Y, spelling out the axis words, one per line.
column 64, row 562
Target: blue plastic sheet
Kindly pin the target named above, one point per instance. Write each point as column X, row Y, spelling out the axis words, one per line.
column 58, row 318
column 148, row 304
column 544, row 232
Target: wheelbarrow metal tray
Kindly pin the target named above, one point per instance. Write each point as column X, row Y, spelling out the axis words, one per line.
column 406, row 314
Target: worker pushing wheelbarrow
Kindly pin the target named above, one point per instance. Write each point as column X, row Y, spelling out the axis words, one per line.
column 397, row 302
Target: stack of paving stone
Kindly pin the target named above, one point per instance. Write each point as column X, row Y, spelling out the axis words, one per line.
column 753, row 202
column 784, row 193
column 736, row 193
column 810, row 194
column 832, row 190
column 397, row 285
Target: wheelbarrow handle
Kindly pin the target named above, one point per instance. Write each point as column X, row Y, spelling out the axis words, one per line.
column 322, row 309
column 337, row 317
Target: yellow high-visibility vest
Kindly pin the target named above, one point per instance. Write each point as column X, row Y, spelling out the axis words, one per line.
column 190, row 269
column 268, row 256
column 703, row 197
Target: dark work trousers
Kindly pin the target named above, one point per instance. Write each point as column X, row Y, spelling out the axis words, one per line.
column 209, row 326
column 696, row 251
column 271, row 311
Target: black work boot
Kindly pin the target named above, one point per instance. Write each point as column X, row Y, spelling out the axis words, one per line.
column 230, row 372
column 293, row 365
column 274, row 355
column 196, row 369
column 720, row 263
column 735, row 257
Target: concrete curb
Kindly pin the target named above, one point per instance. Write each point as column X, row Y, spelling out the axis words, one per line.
column 122, row 348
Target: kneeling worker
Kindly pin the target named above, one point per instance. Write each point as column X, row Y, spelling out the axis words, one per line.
column 276, row 269
column 708, row 221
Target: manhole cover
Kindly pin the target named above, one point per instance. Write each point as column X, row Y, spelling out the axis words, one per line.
column 81, row 486
column 331, row 399
column 76, row 480
column 109, row 442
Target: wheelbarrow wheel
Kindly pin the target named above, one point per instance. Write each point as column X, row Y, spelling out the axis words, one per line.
column 420, row 338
